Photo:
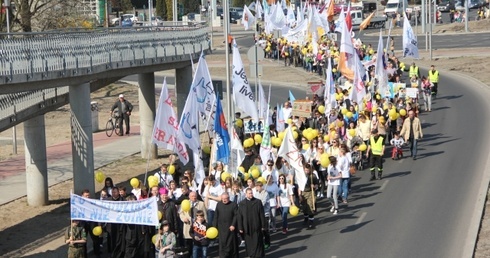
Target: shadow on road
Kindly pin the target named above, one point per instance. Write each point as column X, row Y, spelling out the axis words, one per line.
column 354, row 227
column 397, row 174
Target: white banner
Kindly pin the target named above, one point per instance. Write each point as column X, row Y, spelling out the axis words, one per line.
column 248, row 18
column 142, row 212
column 203, row 89
column 189, row 124
column 290, row 152
column 242, row 93
column 167, row 125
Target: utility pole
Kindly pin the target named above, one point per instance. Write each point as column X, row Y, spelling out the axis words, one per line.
column 466, row 15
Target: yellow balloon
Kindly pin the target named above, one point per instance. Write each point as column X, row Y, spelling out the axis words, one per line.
column 281, row 135
column 349, row 114
column 99, row 176
column 239, row 123
column 293, row 210
column 225, row 175
column 334, row 70
column 261, row 179
column 344, row 111
column 352, row 132
column 382, row 120
column 324, row 160
column 289, row 121
column 295, row 135
column 258, row 138
column 277, row 142
column 306, row 146
column 403, row 112
column 154, row 239
column 392, row 112
column 363, row 147
column 255, row 173
column 97, row 231
column 206, row 149
column 241, row 169
column 160, row 215
column 315, row 133
column 185, row 205
column 171, row 169
column 211, row 233
column 152, row 181
column 321, row 109
column 246, row 176
column 134, row 182
column 326, row 138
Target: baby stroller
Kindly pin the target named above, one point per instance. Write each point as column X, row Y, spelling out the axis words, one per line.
column 356, row 154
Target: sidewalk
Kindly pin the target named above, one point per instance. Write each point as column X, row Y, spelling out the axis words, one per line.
column 106, row 151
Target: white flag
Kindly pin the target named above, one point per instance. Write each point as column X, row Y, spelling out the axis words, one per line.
column 277, row 18
column 290, row 18
column 280, row 122
column 242, row 94
column 299, row 15
column 165, row 130
column 263, row 103
column 290, row 152
column 189, row 124
column 266, row 145
column 410, row 48
column 259, row 11
column 248, row 18
column 203, row 89
column 198, row 168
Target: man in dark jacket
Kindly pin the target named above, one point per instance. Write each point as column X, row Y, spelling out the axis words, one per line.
column 169, row 212
column 124, row 109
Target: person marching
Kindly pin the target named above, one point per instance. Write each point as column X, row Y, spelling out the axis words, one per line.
column 376, row 148
column 76, row 238
column 412, row 132
column 434, row 79
column 306, row 197
column 414, row 71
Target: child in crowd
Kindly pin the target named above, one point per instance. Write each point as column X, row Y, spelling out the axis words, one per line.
column 397, row 142
column 198, row 234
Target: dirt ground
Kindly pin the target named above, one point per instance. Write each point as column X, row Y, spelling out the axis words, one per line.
column 26, row 228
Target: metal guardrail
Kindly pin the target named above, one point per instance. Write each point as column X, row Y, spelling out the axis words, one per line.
column 30, row 57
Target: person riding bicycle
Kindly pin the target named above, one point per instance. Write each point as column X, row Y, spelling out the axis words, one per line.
column 124, row 109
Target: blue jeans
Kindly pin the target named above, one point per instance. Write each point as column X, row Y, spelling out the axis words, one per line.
column 284, row 216
column 413, row 147
column 345, row 188
column 199, row 251
column 309, row 66
column 210, row 218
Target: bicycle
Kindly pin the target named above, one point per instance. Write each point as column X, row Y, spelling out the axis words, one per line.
column 113, row 125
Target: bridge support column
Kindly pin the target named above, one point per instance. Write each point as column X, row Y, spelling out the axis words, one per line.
column 146, row 97
column 183, row 80
column 36, row 161
column 81, row 138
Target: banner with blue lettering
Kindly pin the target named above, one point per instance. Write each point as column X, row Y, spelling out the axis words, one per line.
column 142, row 212
column 222, row 135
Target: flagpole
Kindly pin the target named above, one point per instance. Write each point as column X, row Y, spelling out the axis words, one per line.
column 388, row 39
column 226, row 17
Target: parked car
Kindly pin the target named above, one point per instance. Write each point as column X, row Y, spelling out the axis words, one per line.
column 156, row 20
column 446, row 6
column 219, row 12
column 127, row 23
column 235, row 17
column 123, row 17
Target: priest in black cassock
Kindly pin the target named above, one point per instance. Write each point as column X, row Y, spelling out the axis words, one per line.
column 252, row 223
column 225, row 219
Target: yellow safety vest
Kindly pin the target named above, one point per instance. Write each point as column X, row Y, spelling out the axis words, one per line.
column 434, row 76
column 376, row 146
column 414, row 70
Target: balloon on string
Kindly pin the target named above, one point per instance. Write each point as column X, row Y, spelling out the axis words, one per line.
column 289, row 121
column 403, row 112
column 246, row 176
column 262, row 180
column 211, row 233
column 185, row 205
column 255, row 173
column 99, row 176
column 293, row 210
column 349, row 114
column 392, row 112
column 171, row 169
column 321, row 109
column 206, row 149
column 154, row 239
column 97, row 231
column 295, row 135
column 134, row 182
column 239, row 123
column 281, row 135
column 241, row 169
column 152, row 181
column 258, row 138
column 344, row 111
column 306, row 146
column 363, row 147
column 324, row 160
column 326, row 138
column 225, row 175
column 352, row 132
column 315, row 133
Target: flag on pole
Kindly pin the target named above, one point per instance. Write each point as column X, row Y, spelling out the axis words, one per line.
column 280, row 122
column 331, row 11
column 410, row 48
column 248, row 18
column 346, row 53
column 366, row 22
column 381, row 72
column 290, row 152
column 348, row 20
column 291, row 97
column 329, row 86
column 166, row 127
column 189, row 124
column 203, row 90
column 242, row 94
column 259, row 11
column 277, row 18
column 266, row 145
column 265, row 6
column 290, row 18
column 237, row 153
column 222, row 137
column 263, row 103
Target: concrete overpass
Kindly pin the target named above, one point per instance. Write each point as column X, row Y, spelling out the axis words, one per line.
column 40, row 72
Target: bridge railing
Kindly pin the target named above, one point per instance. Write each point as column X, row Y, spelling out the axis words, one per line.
column 30, row 57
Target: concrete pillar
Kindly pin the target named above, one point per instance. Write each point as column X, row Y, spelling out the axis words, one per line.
column 146, row 97
column 183, row 80
column 36, row 162
column 81, row 138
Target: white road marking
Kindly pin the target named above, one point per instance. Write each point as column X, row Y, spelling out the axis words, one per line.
column 384, row 184
column 334, row 256
column 359, row 220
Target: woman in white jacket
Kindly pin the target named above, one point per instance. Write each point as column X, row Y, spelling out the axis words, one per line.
column 334, row 177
